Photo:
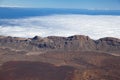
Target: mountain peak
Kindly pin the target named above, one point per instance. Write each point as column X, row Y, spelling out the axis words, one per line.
column 36, row 38
column 79, row 37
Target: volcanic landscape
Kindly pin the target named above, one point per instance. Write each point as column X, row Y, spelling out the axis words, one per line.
column 75, row 57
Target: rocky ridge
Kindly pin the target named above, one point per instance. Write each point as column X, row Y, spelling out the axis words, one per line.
column 72, row 43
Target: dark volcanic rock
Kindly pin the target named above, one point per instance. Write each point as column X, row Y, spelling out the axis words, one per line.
column 37, row 38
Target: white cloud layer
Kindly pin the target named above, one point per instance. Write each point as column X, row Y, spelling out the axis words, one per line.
column 62, row 25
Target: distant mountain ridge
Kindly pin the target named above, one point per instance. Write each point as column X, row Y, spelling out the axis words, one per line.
column 72, row 43
column 11, row 13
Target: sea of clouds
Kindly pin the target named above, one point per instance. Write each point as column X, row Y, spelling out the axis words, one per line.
column 95, row 26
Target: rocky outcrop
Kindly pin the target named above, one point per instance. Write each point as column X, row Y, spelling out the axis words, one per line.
column 108, row 44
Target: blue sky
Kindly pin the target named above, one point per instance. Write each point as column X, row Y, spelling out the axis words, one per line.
column 84, row 4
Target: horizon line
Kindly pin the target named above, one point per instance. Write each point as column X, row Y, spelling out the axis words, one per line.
column 1, row 6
